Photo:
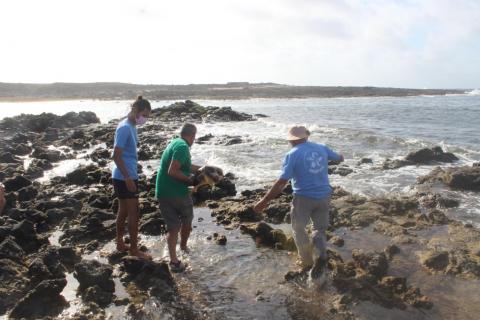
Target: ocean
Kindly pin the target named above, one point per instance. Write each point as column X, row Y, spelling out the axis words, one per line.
column 243, row 281
column 377, row 128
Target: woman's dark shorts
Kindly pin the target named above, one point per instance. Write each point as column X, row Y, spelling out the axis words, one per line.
column 121, row 190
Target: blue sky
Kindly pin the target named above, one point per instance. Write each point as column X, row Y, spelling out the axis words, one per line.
column 421, row 44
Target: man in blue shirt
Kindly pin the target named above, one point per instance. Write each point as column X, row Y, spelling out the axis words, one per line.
column 306, row 165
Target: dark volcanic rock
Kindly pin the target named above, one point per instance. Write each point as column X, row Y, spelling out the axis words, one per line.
column 426, row 155
column 365, row 161
column 98, row 295
column 422, row 156
column 342, row 170
column 11, row 250
column 85, row 175
column 43, row 300
column 27, row 193
column 13, row 283
column 191, row 111
column 149, row 275
column 46, row 154
column 436, row 260
column 44, row 121
column 220, row 239
column 90, row 273
column 152, row 225
column 16, row 183
column 462, row 178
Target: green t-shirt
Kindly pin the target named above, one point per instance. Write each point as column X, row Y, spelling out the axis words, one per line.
column 168, row 187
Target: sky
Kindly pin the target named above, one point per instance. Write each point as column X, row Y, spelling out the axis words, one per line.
column 415, row 44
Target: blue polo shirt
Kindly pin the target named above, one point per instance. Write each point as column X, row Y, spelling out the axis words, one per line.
column 306, row 165
column 126, row 139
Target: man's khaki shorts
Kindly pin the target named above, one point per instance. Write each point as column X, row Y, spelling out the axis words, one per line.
column 176, row 211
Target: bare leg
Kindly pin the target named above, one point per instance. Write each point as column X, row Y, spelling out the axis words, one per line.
column 133, row 216
column 184, row 234
column 172, row 237
column 121, row 218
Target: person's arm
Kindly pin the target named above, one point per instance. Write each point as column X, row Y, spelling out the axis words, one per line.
column 174, row 171
column 117, row 158
column 2, row 198
column 333, row 156
column 274, row 191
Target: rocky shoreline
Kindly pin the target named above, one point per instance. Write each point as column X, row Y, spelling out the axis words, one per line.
column 81, row 207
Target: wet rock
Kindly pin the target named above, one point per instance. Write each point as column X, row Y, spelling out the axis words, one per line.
column 43, row 300
column 436, row 260
column 14, row 283
column 121, row 302
column 9, row 249
column 98, row 295
column 149, row 275
column 337, row 241
column 224, row 114
column 44, row 121
column 91, row 228
column 48, row 155
column 365, row 161
column 416, row 299
column 16, row 183
column 191, row 111
column 391, row 250
column 422, row 156
column 92, row 246
column 233, row 141
column 365, row 278
column 461, row 178
column 390, row 164
column 19, row 149
column 437, row 217
column 203, row 139
column 116, row 256
column 100, row 154
column 7, row 157
column 68, row 256
column 426, row 155
column 27, row 193
column 56, row 215
column 342, row 170
column 434, row 200
column 153, row 225
column 220, row 240
column 100, row 203
column 26, row 236
column 85, row 175
column 374, row 263
column 91, row 273
column 38, row 271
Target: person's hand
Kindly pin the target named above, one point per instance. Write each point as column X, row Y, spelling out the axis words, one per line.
column 260, row 206
column 131, row 186
column 191, row 180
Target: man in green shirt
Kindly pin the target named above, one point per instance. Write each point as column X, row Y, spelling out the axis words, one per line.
column 173, row 178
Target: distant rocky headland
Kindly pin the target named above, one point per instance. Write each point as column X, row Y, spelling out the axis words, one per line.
column 230, row 90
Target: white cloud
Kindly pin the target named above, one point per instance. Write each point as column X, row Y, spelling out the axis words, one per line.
column 384, row 43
